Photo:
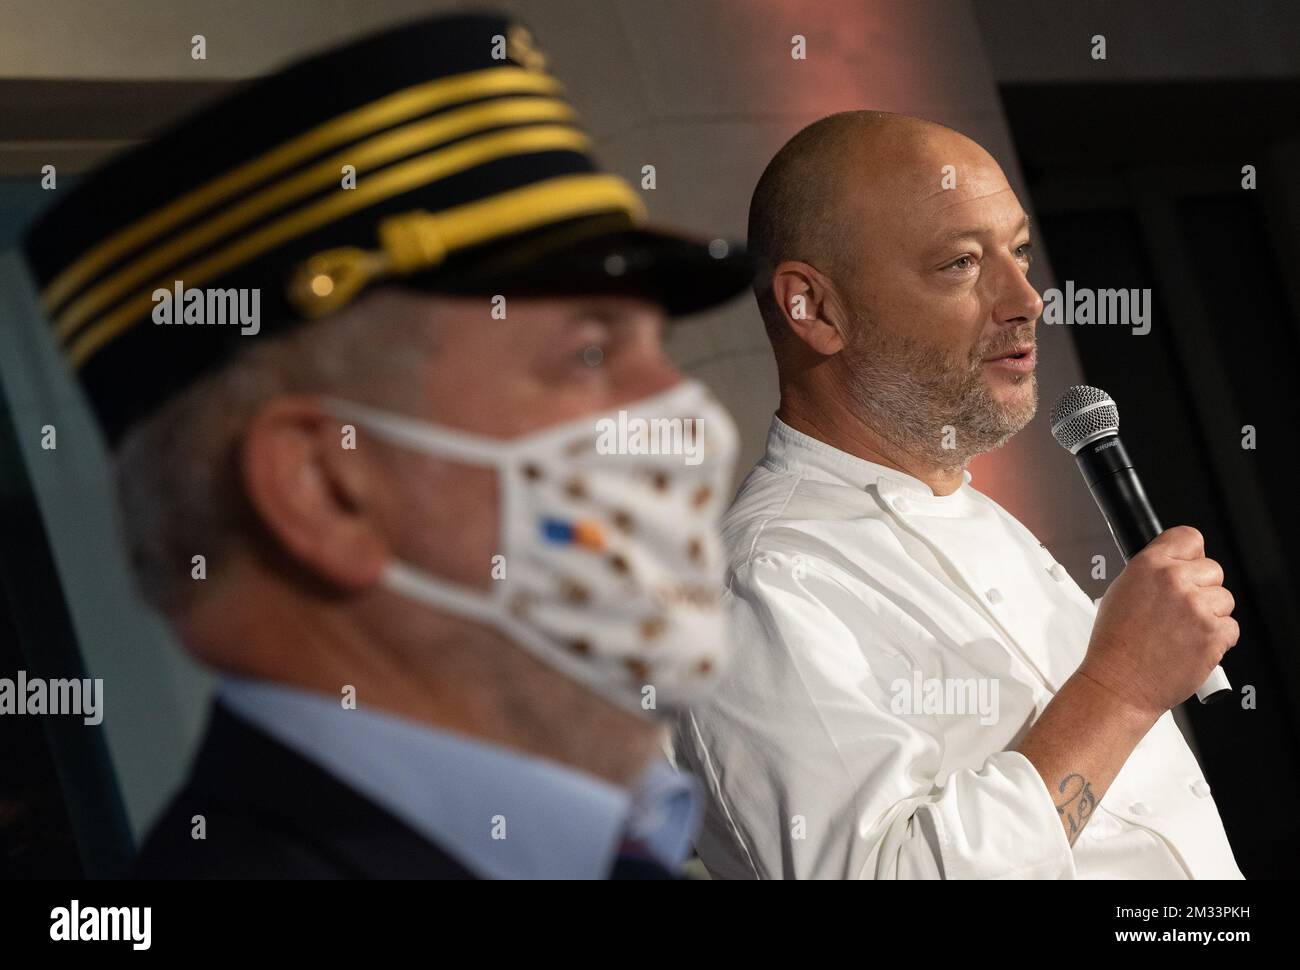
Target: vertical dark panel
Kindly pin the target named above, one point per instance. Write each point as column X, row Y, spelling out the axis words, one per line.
column 58, row 786
column 61, row 813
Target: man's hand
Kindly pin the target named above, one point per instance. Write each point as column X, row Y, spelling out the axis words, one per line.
column 1163, row 625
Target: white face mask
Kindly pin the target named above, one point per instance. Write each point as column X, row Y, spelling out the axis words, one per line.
column 611, row 561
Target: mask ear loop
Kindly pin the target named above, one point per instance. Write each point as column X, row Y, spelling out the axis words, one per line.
column 445, row 443
column 409, row 432
column 401, row 577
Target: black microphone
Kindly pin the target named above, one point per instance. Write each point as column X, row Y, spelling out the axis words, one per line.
column 1085, row 422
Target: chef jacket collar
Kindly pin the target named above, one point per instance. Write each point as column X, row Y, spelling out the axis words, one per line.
column 793, row 451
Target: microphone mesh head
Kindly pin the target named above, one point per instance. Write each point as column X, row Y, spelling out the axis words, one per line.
column 1081, row 414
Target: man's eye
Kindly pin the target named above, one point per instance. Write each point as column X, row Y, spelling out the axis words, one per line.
column 1026, row 251
column 966, row 262
column 591, row 355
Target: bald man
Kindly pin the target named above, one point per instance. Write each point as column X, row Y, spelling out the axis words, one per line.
column 920, row 691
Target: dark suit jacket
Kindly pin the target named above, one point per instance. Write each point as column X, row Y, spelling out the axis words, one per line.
column 272, row 814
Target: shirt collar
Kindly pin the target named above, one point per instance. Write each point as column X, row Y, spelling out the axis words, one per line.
column 503, row 814
column 801, row 454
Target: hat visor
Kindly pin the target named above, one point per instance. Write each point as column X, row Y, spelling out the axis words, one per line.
column 601, row 255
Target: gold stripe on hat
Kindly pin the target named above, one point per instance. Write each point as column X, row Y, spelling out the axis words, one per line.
column 363, row 156
column 613, row 194
column 419, row 240
column 388, row 110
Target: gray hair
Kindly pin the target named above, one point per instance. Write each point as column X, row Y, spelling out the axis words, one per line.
column 177, row 474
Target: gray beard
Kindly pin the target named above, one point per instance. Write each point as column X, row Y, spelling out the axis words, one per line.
column 934, row 408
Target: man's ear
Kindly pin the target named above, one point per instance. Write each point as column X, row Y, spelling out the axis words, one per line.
column 315, row 499
column 809, row 303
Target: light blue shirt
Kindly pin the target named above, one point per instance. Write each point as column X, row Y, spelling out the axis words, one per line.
column 502, row 814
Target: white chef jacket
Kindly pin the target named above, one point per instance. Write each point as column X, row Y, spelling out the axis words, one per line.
column 847, row 580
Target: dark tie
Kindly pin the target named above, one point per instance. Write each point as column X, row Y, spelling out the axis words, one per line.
column 635, row 862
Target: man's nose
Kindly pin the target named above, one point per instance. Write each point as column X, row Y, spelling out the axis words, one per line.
column 649, row 381
column 1017, row 301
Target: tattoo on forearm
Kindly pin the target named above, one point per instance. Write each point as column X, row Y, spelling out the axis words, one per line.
column 1078, row 803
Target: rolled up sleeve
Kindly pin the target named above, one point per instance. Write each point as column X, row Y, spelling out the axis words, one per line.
column 812, row 772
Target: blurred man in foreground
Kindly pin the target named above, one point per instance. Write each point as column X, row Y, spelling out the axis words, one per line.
column 439, row 511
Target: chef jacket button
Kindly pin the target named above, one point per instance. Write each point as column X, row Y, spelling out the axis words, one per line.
column 1200, row 788
column 1139, row 808
column 901, row 504
column 994, row 596
column 1058, row 572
